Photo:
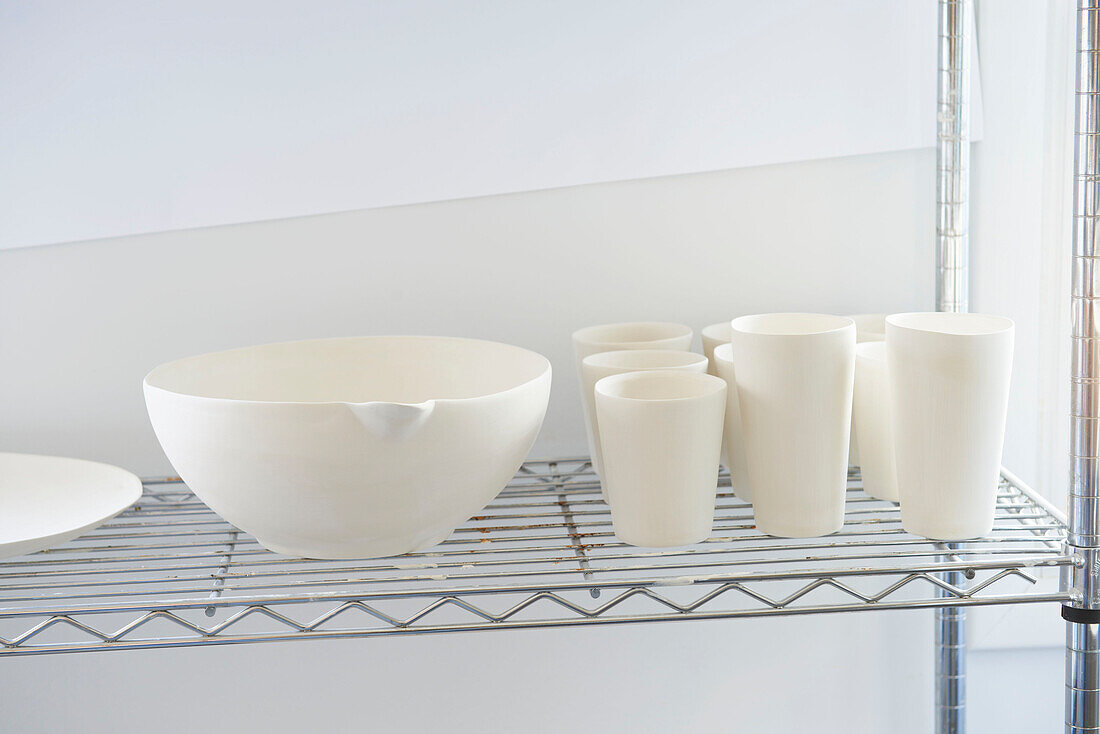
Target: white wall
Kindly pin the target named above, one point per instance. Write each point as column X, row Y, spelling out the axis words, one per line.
column 124, row 116
column 81, row 324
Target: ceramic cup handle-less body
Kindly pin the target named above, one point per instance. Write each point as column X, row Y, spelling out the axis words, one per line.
column 616, row 337
column 794, row 381
column 661, row 433
column 595, row 367
column 714, row 336
column 872, row 423
column 949, row 384
column 734, row 436
column 870, row 327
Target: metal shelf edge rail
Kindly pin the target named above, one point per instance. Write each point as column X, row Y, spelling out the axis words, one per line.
column 1082, row 613
column 952, row 294
column 170, row 573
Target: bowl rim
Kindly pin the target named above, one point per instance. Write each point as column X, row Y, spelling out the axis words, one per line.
column 546, row 373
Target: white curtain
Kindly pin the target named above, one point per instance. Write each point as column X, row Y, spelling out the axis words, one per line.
column 1021, row 215
column 1056, row 243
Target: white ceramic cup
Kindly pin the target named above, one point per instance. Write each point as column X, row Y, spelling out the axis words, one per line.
column 872, row 423
column 714, row 336
column 870, row 327
column 734, row 439
column 661, row 434
column 616, row 337
column 597, row 366
column 795, row 374
column 949, row 385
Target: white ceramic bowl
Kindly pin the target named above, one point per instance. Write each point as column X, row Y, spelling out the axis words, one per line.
column 350, row 448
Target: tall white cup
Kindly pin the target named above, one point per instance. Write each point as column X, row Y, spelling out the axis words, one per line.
column 870, row 327
column 597, row 366
column 949, row 385
column 872, row 423
column 661, row 433
column 795, row 373
column 734, row 438
column 614, row 337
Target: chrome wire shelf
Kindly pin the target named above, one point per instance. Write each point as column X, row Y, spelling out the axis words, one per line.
column 169, row 572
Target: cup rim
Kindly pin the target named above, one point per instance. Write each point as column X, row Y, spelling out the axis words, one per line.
column 936, row 322
column 830, row 324
column 606, row 360
column 670, row 330
column 724, row 348
column 708, row 385
column 709, row 329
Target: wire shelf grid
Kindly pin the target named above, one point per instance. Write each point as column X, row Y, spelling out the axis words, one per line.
column 169, row 572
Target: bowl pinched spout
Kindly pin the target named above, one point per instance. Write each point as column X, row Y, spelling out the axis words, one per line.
column 392, row 421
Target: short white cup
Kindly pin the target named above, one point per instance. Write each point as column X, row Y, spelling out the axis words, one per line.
column 615, row 337
column 597, row 366
column 872, row 423
column 870, row 327
column 734, row 438
column 713, row 337
column 795, row 374
column 661, row 434
column 949, row 384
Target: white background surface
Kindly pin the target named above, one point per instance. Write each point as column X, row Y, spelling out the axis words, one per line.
column 124, row 116
column 80, row 325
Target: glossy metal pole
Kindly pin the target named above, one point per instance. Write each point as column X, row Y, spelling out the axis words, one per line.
column 1082, row 614
column 952, row 294
column 953, row 157
column 951, row 664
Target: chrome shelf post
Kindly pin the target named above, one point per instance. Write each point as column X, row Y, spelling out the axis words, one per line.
column 952, row 294
column 1082, row 613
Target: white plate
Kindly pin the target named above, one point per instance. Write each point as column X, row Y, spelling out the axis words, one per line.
column 48, row 500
